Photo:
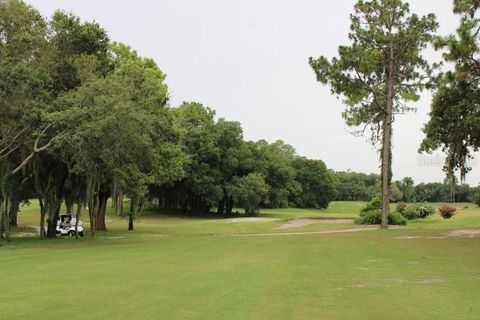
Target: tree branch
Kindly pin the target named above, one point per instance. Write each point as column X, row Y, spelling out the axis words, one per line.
column 37, row 149
column 9, row 144
column 369, row 88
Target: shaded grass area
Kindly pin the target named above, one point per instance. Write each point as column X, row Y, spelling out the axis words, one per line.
column 193, row 268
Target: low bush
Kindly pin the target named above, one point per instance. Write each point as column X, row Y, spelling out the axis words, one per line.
column 372, row 214
column 401, row 207
column 375, row 217
column 374, row 204
column 417, row 211
column 410, row 212
column 425, row 211
column 447, row 211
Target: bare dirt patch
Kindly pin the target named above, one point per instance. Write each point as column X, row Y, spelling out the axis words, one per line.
column 25, row 234
column 407, row 237
column 466, row 233
column 297, row 223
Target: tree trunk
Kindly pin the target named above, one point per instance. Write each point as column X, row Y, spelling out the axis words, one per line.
column 130, row 218
column 386, row 143
column 119, row 205
column 92, row 217
column 69, row 206
column 14, row 206
column 52, row 222
column 4, row 218
column 42, row 220
column 102, row 208
column 452, row 187
column 79, row 211
column 229, row 205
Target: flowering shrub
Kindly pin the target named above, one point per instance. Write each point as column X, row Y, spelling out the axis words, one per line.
column 447, row 211
column 417, row 211
column 425, row 211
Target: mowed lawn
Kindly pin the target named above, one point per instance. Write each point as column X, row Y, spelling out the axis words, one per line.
column 242, row 268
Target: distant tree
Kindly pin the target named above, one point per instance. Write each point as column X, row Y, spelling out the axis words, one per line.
column 354, row 186
column 380, row 71
column 396, row 194
column 248, row 192
column 407, row 187
column 316, row 185
column 432, row 192
column 274, row 161
column 229, row 138
column 463, row 193
column 476, row 196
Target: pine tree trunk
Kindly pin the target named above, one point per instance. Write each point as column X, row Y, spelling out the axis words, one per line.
column 386, row 143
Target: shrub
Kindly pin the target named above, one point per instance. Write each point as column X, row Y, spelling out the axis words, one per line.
column 401, row 207
column 372, row 214
column 410, row 212
column 374, row 204
column 417, row 211
column 375, row 217
column 447, row 211
column 425, row 211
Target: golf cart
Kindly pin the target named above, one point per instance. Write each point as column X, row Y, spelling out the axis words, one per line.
column 66, row 225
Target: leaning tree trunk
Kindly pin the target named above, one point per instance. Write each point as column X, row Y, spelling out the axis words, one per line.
column 386, row 143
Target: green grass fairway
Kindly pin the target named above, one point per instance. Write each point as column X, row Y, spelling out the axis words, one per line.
column 239, row 268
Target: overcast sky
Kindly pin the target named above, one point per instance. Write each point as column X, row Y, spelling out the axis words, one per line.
column 248, row 60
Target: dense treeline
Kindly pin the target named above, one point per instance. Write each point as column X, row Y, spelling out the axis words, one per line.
column 84, row 119
column 354, row 186
column 224, row 172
